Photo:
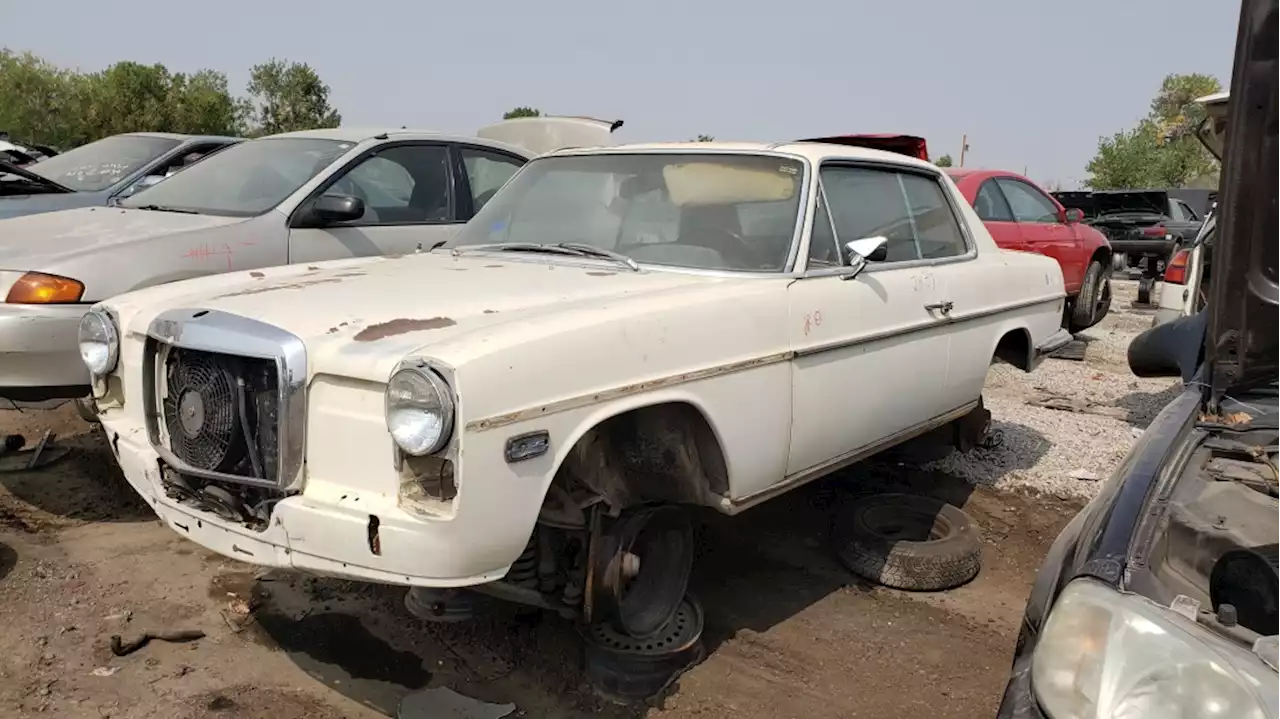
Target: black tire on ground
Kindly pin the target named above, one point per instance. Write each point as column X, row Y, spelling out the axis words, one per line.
column 1085, row 310
column 1145, row 286
column 908, row 542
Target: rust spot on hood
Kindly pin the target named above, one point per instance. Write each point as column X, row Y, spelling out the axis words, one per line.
column 400, row 326
column 256, row 275
column 601, row 274
column 491, row 312
column 286, row 286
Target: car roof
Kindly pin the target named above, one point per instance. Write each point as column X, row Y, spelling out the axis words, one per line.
column 815, row 152
column 189, row 138
column 360, row 134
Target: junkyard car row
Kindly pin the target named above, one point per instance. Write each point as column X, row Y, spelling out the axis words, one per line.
column 513, row 366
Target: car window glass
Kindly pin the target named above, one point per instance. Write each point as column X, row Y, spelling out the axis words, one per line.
column 1191, row 214
column 823, row 251
column 1027, row 203
column 991, row 205
column 696, row 210
column 1175, row 211
column 908, row 210
column 246, row 179
column 399, row 185
column 101, row 164
column 486, row 172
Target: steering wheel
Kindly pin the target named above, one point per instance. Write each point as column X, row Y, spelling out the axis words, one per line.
column 742, row 249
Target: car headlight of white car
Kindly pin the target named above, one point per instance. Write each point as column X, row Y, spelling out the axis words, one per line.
column 419, row 409
column 99, row 342
column 1106, row 654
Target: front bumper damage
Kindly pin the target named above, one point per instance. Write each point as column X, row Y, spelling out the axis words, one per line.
column 325, row 531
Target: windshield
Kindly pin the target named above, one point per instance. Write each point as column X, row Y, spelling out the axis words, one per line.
column 245, row 179
column 697, row 210
column 103, row 163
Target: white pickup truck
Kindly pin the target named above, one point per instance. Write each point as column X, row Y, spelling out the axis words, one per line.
column 528, row 411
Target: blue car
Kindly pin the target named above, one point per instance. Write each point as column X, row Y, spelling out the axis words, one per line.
column 101, row 172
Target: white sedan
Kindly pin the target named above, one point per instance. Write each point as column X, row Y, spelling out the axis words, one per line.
column 618, row 334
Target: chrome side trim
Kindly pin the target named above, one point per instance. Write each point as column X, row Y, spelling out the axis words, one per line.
column 804, row 476
column 226, row 333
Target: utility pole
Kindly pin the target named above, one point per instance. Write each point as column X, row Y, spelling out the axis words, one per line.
column 964, row 147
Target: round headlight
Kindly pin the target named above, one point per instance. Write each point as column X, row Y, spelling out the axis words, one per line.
column 99, row 342
column 419, row 411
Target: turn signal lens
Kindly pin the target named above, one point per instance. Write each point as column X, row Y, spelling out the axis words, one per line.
column 35, row 288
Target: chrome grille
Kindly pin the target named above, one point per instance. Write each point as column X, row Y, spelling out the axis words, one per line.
column 226, row 397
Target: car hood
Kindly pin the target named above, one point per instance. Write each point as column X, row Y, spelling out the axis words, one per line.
column 35, row 241
column 360, row 317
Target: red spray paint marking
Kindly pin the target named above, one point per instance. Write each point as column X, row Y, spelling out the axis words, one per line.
column 204, row 252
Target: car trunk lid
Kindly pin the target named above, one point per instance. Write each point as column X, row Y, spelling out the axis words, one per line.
column 548, row 134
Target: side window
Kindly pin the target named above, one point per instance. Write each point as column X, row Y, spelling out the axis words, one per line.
column 486, row 172
column 406, row 184
column 907, row 209
column 991, row 205
column 1179, row 211
column 1028, row 203
column 823, row 251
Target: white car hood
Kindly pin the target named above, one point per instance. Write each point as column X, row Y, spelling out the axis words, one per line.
column 360, row 317
column 32, row 242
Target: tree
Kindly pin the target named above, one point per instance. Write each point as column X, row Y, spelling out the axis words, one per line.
column 1162, row 150
column 521, row 111
column 705, row 138
column 288, row 96
column 944, row 161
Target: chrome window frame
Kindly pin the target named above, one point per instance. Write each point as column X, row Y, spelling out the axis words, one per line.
column 226, row 333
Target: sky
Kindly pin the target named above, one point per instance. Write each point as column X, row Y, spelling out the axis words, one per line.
column 1032, row 84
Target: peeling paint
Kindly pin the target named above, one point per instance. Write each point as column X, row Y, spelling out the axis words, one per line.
column 257, row 275
column 491, row 312
column 312, row 267
column 601, row 274
column 400, row 326
column 493, row 267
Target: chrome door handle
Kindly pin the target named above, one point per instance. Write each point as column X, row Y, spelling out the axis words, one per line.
column 943, row 307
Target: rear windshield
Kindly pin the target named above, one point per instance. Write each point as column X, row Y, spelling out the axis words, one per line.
column 103, row 163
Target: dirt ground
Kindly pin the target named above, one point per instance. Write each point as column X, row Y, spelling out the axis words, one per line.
column 789, row 633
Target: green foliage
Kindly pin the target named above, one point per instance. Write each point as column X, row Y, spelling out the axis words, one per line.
column 521, row 111
column 1162, row 150
column 285, row 97
column 43, row 103
column 944, row 161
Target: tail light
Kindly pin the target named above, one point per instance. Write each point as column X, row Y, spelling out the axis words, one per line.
column 1176, row 272
column 1157, row 231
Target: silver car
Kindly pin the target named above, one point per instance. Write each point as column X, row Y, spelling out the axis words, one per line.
column 285, row 199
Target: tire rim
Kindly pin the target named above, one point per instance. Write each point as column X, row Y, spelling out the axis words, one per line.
column 647, row 560
column 681, row 631
column 906, row 524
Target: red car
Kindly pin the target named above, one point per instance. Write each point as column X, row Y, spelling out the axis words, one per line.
column 1021, row 216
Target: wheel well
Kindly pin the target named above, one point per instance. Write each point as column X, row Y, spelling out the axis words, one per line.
column 1102, row 255
column 1015, row 348
column 659, row 453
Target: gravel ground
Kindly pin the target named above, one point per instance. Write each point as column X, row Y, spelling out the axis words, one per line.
column 1042, row 448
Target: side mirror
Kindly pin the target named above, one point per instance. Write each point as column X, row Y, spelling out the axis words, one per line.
column 860, row 252
column 330, row 209
column 1073, row 216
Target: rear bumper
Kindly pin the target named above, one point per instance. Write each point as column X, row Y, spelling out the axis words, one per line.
column 1153, row 247
column 39, row 359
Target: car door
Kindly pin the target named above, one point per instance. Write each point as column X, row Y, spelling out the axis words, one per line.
column 1044, row 229
column 870, row 352
column 994, row 211
column 410, row 195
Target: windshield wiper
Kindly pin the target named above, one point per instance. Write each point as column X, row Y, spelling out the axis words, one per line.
column 593, row 251
column 163, row 208
column 563, row 248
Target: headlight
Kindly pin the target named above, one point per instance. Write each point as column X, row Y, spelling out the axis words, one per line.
column 1108, row 655
column 36, row 288
column 419, row 410
column 99, row 342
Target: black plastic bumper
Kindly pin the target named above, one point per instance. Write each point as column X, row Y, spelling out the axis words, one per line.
column 1019, row 702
